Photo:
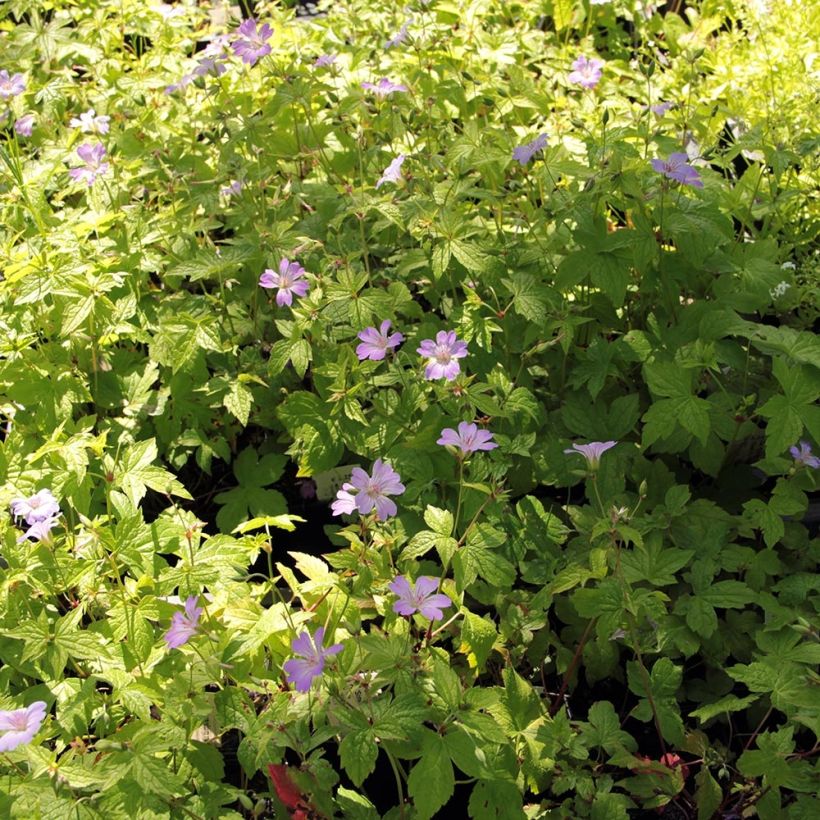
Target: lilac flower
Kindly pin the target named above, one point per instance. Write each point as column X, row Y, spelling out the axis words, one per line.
column 384, row 87
column 252, row 43
column 586, row 72
column 401, row 37
column 393, row 171
column 524, row 153
column 184, row 81
column 376, row 343
column 218, row 46
column 592, row 452
column 39, row 507
column 442, row 355
column 39, row 530
column 345, row 503
column 325, row 60
column 289, row 280
column 659, row 109
column 11, row 86
column 423, row 599
column 372, row 490
column 468, row 439
column 310, row 662
column 803, row 455
column 232, row 189
column 184, row 625
column 678, row 168
column 24, row 125
column 89, row 122
column 210, row 66
column 19, row 726
column 92, row 154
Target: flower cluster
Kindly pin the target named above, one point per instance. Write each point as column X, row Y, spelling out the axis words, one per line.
column 40, row 511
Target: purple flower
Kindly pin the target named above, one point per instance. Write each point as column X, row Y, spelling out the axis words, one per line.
column 423, row 599
column 89, row 122
column 677, row 167
column 184, row 625
column 20, row 725
column 11, row 86
column 210, row 65
column 592, row 452
column 218, row 46
column 393, row 171
column 401, row 37
column 442, row 355
column 39, row 530
column 310, row 664
column 586, row 72
column 376, row 343
column 92, row 154
column 384, row 87
column 252, row 43
column 524, row 153
column 468, row 439
column 289, row 280
column 39, row 507
column 803, row 455
column 325, row 60
column 371, row 491
column 233, row 189
column 184, row 81
column 345, row 503
column 24, row 125
column 660, row 108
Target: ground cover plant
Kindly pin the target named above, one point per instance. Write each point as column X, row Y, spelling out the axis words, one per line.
column 409, row 411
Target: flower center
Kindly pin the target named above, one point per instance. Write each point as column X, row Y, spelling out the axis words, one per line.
column 19, row 722
column 443, row 355
column 285, row 280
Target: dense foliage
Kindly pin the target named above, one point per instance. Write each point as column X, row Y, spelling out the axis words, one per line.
column 526, row 289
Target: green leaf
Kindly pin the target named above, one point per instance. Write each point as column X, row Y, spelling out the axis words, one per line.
column 239, row 401
column 477, row 638
column 496, row 800
column 708, row 795
column 701, row 617
column 439, row 521
column 729, row 703
column 431, row 782
column 358, row 752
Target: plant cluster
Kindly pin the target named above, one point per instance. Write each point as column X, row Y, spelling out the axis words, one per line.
column 524, row 291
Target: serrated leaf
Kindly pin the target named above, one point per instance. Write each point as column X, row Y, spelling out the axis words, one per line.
column 431, row 782
column 238, row 401
column 478, row 635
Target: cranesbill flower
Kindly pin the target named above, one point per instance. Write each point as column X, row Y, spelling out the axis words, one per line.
column 393, row 171
column 423, row 599
column 232, row 189
column 39, row 530
column 384, row 87
column 89, row 122
column 592, row 452
column 184, row 625
column 372, row 490
column 524, row 153
column 659, row 109
column 251, row 44
column 11, row 86
column 401, row 37
column 289, row 280
column 24, row 125
column 19, row 726
column 212, row 66
column 677, row 167
column 376, row 343
column 442, row 355
column 325, row 60
column 586, row 71
column 310, row 663
column 92, row 154
column 803, row 455
column 468, row 438
column 39, row 507
column 345, row 503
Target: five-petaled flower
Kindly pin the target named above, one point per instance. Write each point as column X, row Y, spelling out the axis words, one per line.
column 184, row 625
column 19, row 726
column 371, row 492
column 524, row 153
column 92, row 154
column 89, row 122
column 442, row 355
column 401, row 37
column 468, row 438
column 677, row 167
column 393, row 171
column 289, row 280
column 24, row 125
column 39, row 507
column 384, row 87
column 586, row 71
column 376, row 343
column 11, row 86
column 325, row 60
column 310, row 662
column 592, row 452
column 424, row 598
column 251, row 43
column 803, row 455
